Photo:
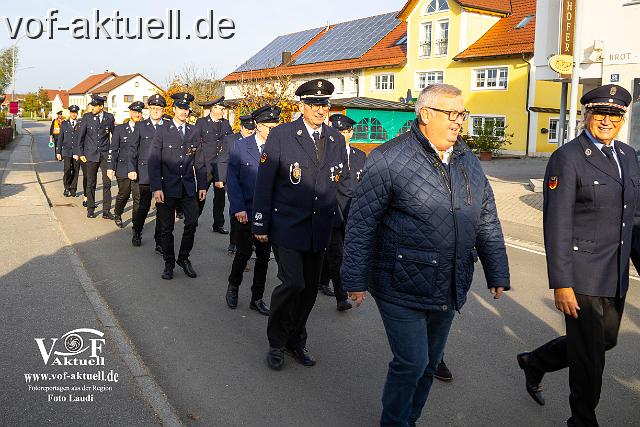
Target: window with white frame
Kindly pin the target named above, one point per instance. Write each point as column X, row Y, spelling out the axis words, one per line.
column 436, row 6
column 424, row 47
column 491, row 78
column 426, row 78
column 478, row 123
column 442, row 37
column 384, row 82
column 554, row 125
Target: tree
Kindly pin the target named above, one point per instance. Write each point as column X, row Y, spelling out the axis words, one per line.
column 31, row 103
column 6, row 68
column 43, row 98
column 202, row 84
column 260, row 91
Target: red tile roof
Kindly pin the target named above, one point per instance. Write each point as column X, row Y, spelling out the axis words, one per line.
column 498, row 6
column 385, row 53
column 119, row 81
column 64, row 96
column 503, row 39
column 90, row 82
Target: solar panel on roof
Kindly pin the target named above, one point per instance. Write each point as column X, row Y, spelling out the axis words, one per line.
column 349, row 40
column 271, row 55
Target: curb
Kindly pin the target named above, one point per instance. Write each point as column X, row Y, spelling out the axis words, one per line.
column 150, row 389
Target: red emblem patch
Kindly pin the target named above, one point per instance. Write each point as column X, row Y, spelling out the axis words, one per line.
column 553, row 182
column 263, row 158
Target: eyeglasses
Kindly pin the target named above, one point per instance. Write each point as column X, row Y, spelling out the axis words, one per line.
column 453, row 115
column 613, row 118
column 315, row 107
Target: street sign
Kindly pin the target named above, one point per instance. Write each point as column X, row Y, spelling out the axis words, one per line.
column 615, row 78
column 13, row 107
column 561, row 64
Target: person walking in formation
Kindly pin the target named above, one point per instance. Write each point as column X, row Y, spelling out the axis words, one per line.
column 212, row 131
column 65, row 148
column 241, row 178
column 177, row 175
column 302, row 167
column 124, row 136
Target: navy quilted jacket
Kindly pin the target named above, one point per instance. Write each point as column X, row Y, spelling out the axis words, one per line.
column 416, row 226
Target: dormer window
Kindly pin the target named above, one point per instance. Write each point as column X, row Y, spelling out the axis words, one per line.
column 436, row 6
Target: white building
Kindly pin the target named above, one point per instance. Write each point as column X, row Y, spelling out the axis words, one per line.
column 121, row 91
column 610, row 52
column 80, row 94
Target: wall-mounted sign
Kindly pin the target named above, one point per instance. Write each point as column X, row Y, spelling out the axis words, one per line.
column 567, row 27
column 621, row 58
column 561, row 64
column 615, row 78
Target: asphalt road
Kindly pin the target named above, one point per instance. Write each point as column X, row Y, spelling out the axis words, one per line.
column 210, row 360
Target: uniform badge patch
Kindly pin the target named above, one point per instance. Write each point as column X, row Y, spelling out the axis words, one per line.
column 263, row 158
column 258, row 216
column 587, row 151
column 553, row 183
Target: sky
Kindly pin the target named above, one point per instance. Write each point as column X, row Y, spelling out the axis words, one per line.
column 63, row 61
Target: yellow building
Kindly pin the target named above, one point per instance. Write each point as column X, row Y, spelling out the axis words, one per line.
column 484, row 47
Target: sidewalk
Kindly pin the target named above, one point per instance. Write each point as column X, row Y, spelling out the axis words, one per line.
column 44, row 294
column 519, row 208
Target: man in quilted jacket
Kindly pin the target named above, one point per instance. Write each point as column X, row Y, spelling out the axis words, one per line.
column 423, row 213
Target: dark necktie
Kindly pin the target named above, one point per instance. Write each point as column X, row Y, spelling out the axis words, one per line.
column 316, row 138
column 180, row 132
column 608, row 151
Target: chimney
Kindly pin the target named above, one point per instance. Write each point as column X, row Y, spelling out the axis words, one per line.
column 286, row 58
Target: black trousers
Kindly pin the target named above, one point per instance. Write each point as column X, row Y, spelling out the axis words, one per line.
column 293, row 300
column 144, row 195
column 583, row 351
column 83, row 168
column 333, row 262
column 232, row 233
column 55, row 143
column 167, row 216
column 218, row 205
column 92, row 178
column 125, row 190
column 244, row 248
column 71, row 172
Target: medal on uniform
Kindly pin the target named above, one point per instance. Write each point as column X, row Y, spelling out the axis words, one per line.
column 587, row 151
column 553, row 182
column 358, row 175
column 295, row 173
column 263, row 158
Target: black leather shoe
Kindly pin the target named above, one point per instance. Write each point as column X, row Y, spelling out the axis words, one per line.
column 301, row 355
column 232, row 296
column 326, row 289
column 219, row 230
column 275, row 358
column 180, row 215
column 108, row 215
column 168, row 272
column 90, row 213
column 188, row 269
column 158, row 249
column 259, row 306
column 136, row 240
column 66, row 193
column 84, row 203
column 118, row 220
column 442, row 372
column 344, row 305
column 533, row 377
column 231, row 250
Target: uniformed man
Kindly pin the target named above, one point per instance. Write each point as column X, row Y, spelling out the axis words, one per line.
column 138, row 171
column 213, row 129
column 247, row 128
column 95, row 133
column 67, row 142
column 177, row 174
column 333, row 257
column 124, row 136
column 54, row 130
column 591, row 207
column 301, row 169
column 241, row 182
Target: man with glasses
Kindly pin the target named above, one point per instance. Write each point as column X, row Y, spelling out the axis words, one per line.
column 303, row 166
column 213, row 129
column 591, row 210
column 422, row 213
column 241, row 182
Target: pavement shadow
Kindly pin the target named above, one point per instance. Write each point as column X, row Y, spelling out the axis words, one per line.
column 534, row 200
column 9, row 190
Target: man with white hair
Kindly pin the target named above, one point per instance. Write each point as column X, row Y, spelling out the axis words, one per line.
column 422, row 214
